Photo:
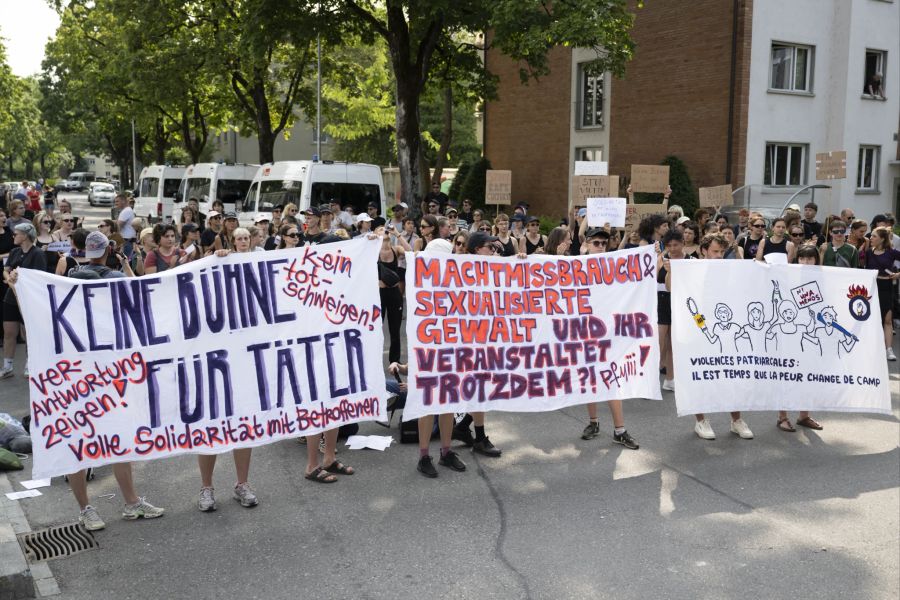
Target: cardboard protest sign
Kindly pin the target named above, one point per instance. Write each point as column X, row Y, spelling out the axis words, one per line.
column 221, row 353
column 593, row 186
column 649, row 178
column 831, row 165
column 777, row 337
column 591, row 167
column 488, row 333
column 498, row 187
column 635, row 212
column 719, row 195
column 601, row 211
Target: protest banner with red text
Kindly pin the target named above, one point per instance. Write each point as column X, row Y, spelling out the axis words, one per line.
column 535, row 334
column 219, row 354
column 751, row 336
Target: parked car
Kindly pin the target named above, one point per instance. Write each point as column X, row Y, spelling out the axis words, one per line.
column 156, row 191
column 101, row 194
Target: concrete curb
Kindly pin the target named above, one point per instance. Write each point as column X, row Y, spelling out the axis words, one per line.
column 18, row 579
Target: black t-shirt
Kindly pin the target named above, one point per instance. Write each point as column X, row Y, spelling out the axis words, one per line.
column 207, row 238
column 6, row 240
column 33, row 259
column 812, row 231
column 313, row 239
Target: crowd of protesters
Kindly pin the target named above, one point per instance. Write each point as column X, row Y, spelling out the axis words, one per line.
column 125, row 246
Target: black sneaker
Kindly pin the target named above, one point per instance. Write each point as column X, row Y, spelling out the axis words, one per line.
column 463, row 434
column 486, row 448
column 591, row 431
column 426, row 467
column 626, row 440
column 451, row 459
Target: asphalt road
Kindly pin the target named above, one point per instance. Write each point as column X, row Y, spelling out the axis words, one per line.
column 803, row 515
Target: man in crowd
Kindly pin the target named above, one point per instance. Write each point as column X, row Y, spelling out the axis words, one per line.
column 124, row 220
column 436, row 196
column 213, row 228
column 314, row 233
column 812, row 229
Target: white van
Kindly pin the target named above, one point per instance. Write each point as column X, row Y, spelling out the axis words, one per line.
column 80, row 181
column 306, row 183
column 156, row 192
column 214, row 181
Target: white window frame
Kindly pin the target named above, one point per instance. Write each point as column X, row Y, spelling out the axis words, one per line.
column 881, row 68
column 804, row 169
column 592, row 150
column 579, row 105
column 866, row 152
column 810, row 64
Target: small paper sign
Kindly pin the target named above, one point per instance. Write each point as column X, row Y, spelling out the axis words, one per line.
column 831, row 165
column 498, row 187
column 776, row 258
column 649, row 178
column 61, row 246
column 593, row 186
column 635, row 212
column 601, row 211
column 591, row 167
column 807, row 294
column 719, row 195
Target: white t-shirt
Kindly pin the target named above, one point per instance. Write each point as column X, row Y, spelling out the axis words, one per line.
column 125, row 219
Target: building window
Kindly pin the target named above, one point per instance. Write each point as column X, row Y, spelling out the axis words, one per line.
column 592, row 154
column 867, row 169
column 873, row 84
column 590, row 98
column 785, row 164
column 791, row 67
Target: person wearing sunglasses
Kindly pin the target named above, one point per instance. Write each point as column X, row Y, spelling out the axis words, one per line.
column 65, row 225
column 428, row 230
column 477, row 220
column 533, row 242
column 289, row 237
column 856, row 237
column 459, row 242
column 796, row 236
column 597, row 242
column 837, row 252
column 751, row 243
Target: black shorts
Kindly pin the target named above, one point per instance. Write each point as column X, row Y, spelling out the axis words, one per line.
column 11, row 313
column 663, row 308
column 885, row 296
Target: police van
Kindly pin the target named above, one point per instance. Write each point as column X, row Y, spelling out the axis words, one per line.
column 308, row 183
column 156, row 191
column 208, row 182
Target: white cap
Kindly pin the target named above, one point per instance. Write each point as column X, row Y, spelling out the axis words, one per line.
column 439, row 245
column 363, row 217
column 262, row 217
column 682, row 220
column 795, row 207
column 212, row 213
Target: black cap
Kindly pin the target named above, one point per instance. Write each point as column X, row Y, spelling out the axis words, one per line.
column 230, row 214
column 477, row 240
column 278, row 207
column 374, row 205
column 517, row 217
column 533, row 219
column 313, row 210
column 189, row 227
column 596, row 232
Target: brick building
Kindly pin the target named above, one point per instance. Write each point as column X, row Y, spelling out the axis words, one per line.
column 744, row 92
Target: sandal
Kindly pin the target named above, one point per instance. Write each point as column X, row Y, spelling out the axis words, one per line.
column 319, row 475
column 339, row 467
column 810, row 423
column 784, row 424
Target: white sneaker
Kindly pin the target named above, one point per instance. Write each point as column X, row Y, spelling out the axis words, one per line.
column 90, row 518
column 6, row 372
column 25, row 372
column 244, row 494
column 704, row 430
column 668, row 385
column 740, row 428
column 890, row 354
column 207, row 500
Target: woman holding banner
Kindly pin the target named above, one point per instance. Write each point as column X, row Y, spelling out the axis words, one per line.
column 243, row 492
column 673, row 242
column 509, row 245
column 597, row 242
column 882, row 257
column 777, row 243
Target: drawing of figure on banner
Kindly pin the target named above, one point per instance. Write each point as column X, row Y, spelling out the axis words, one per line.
column 724, row 329
column 757, row 326
column 830, row 335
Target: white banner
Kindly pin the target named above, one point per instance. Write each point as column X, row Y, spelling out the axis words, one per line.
column 752, row 336
column 535, row 334
column 223, row 353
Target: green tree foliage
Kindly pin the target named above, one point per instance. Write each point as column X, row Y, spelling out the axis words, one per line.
column 683, row 192
column 462, row 171
column 476, row 179
column 525, row 30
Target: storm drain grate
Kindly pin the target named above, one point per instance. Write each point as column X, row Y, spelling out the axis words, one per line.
column 58, row 541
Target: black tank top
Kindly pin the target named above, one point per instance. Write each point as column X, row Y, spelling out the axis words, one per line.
column 775, row 248
column 530, row 248
column 509, row 249
column 392, row 265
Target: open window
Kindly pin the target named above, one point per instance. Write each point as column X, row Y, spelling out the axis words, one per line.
column 873, row 83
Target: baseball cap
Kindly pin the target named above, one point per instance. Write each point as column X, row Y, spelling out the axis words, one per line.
column 451, row 209
column 186, row 227
column 596, row 232
column 230, row 214
column 682, row 220
column 313, row 210
column 439, row 245
column 95, row 244
column 373, row 205
column 262, row 217
column 479, row 239
column 401, row 206
column 363, row 217
column 213, row 213
column 794, row 206
column 532, row 219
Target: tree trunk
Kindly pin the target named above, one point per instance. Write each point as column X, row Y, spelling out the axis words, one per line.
column 446, row 136
column 160, row 141
column 408, row 137
column 264, row 131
